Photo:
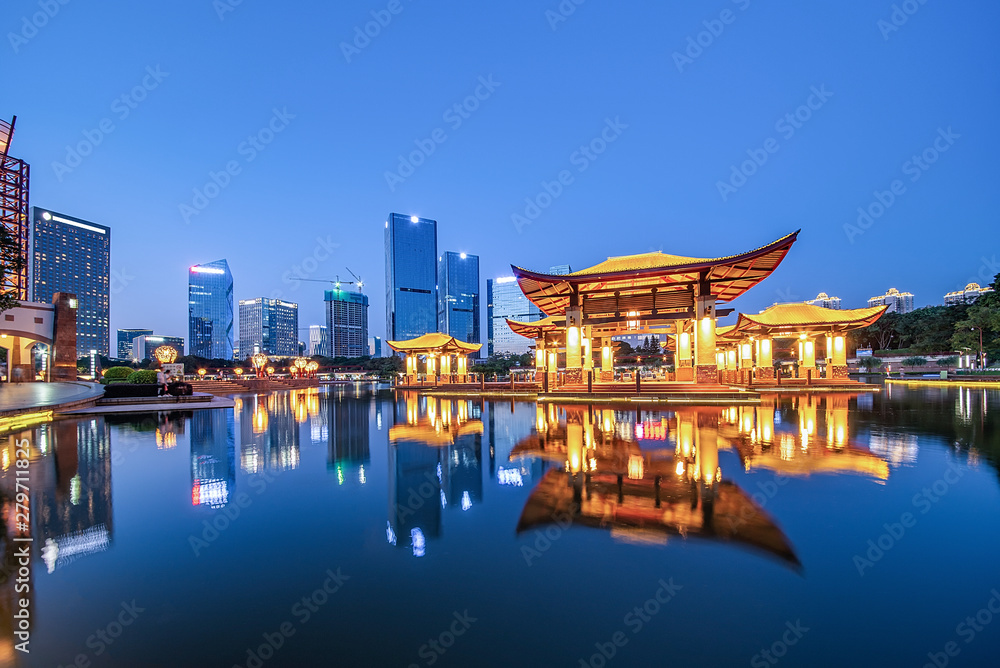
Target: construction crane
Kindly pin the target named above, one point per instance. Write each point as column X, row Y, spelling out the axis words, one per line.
column 337, row 283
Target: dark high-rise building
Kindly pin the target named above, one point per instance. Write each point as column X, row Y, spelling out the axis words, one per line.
column 73, row 255
column 410, row 277
column 14, row 178
column 458, row 296
column 143, row 347
column 347, row 323
column 125, row 338
column 504, row 300
column 210, row 310
column 270, row 326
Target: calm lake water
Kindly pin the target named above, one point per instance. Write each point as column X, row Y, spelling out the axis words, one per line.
column 349, row 528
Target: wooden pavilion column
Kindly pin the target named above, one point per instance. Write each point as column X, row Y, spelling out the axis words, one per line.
column 411, row 368
column 732, row 367
column 431, row 367
column 837, row 367
column 705, row 369
column 807, row 356
column 588, row 348
column 574, row 343
column 607, row 360
column 539, row 359
column 683, row 365
column 745, row 362
column 446, row 368
column 765, row 358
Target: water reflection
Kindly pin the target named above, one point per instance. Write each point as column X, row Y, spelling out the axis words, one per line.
column 213, row 458
column 269, row 438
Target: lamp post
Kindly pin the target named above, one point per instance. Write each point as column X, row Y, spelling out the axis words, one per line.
column 201, row 373
column 300, row 364
column 981, row 360
column 238, row 372
column 259, row 360
column 312, row 367
column 270, row 371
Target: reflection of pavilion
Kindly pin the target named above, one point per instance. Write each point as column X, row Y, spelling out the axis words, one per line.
column 611, row 483
column 435, row 462
column 213, row 458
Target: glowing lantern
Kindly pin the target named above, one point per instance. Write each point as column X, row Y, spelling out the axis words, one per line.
column 270, row 370
column 259, row 360
column 238, row 372
column 201, row 373
column 165, row 354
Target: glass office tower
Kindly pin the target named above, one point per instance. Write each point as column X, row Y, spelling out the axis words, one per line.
column 125, row 337
column 270, row 326
column 458, row 296
column 210, row 310
column 74, row 255
column 504, row 299
column 410, row 277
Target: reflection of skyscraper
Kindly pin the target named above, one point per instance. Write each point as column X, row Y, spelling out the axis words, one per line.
column 74, row 515
column 349, row 442
column 464, row 477
column 269, row 435
column 210, row 310
column 213, row 458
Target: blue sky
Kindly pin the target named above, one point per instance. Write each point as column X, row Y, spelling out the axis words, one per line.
column 313, row 200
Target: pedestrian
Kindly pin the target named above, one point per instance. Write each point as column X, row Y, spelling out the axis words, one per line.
column 161, row 380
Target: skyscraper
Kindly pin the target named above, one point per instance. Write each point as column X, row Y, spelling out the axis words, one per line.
column 210, row 310
column 347, row 323
column 125, row 337
column 74, row 255
column 504, row 300
column 144, row 346
column 270, row 326
column 319, row 341
column 458, row 297
column 14, row 178
column 410, row 277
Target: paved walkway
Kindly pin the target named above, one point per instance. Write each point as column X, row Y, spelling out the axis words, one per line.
column 16, row 397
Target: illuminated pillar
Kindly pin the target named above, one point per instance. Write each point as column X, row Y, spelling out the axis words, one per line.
column 588, row 355
column 574, row 336
column 807, row 356
column 765, row 359
column 705, row 369
column 683, row 365
column 838, row 360
column 446, row 368
column 607, row 360
column 836, row 420
column 731, row 364
column 539, row 360
column 431, row 366
column 746, row 361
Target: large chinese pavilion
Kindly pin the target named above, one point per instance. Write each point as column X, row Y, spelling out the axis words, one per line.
column 637, row 294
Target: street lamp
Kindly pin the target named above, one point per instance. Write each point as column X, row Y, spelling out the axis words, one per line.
column 270, row 370
column 201, row 373
column 259, row 360
column 312, row 367
column 238, row 372
column 300, row 364
column 982, row 362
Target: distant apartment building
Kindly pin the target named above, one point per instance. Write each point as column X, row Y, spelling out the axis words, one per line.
column 347, row 323
column 560, row 270
column 825, row 300
column 971, row 293
column 458, row 297
column 210, row 310
column 898, row 302
column 269, row 326
column 125, row 339
column 144, row 346
column 375, row 346
column 73, row 255
column 504, row 300
column 319, row 342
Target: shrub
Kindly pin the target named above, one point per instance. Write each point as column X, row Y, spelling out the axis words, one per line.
column 870, row 363
column 116, row 374
column 948, row 361
column 144, row 377
column 914, row 361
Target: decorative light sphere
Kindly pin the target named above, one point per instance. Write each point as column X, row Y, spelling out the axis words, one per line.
column 259, row 360
column 270, row 370
column 312, row 366
column 301, row 362
column 238, row 372
column 202, row 372
column 165, row 354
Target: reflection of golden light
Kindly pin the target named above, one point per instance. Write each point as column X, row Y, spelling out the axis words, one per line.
column 787, row 446
column 6, row 459
column 635, row 467
column 165, row 440
column 259, row 420
column 680, row 468
column 301, row 412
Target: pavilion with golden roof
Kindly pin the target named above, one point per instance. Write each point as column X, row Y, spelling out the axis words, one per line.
column 437, row 350
column 639, row 294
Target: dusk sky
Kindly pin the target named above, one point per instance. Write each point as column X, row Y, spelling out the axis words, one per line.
column 679, row 117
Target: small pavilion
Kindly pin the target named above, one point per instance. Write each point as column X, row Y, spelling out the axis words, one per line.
column 650, row 293
column 437, row 350
column 746, row 349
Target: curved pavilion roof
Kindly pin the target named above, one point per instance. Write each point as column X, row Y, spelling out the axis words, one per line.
column 799, row 317
column 651, row 283
column 434, row 343
column 535, row 329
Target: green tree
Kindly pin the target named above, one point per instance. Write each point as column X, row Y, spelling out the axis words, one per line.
column 11, row 262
